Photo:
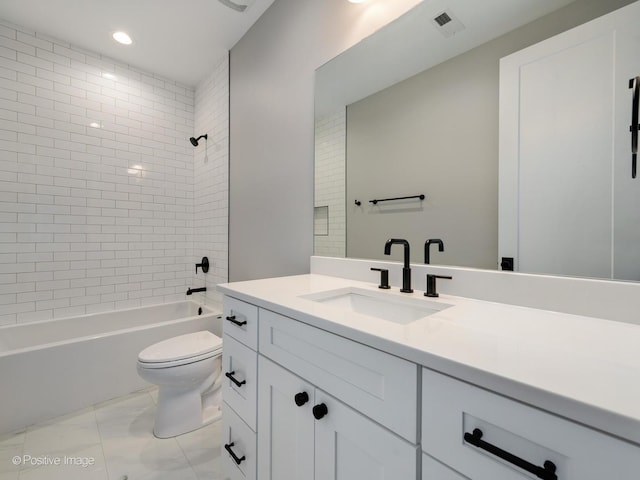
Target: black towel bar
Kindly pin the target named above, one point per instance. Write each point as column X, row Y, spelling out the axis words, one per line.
column 375, row 201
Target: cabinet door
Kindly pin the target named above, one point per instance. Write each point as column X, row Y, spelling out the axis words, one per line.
column 285, row 429
column 567, row 202
column 349, row 446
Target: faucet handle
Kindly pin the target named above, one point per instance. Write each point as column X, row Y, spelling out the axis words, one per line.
column 384, row 277
column 431, row 285
column 204, row 264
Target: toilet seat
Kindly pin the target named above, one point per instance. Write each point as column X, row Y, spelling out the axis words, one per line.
column 181, row 350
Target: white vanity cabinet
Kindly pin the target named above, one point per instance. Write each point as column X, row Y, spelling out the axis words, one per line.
column 314, row 405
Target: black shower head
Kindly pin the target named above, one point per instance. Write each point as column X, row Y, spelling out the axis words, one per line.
column 194, row 141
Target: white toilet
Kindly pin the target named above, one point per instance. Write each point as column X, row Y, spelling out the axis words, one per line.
column 187, row 371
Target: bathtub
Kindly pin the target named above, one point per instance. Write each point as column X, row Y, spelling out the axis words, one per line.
column 54, row 367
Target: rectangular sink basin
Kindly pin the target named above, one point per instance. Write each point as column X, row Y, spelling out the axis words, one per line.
column 378, row 304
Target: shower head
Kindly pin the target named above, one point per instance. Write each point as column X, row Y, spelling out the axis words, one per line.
column 194, row 141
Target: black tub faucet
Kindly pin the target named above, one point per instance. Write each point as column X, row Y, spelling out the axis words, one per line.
column 427, row 246
column 196, row 290
column 406, row 271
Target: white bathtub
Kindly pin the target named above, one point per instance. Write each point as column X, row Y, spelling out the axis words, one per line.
column 54, row 367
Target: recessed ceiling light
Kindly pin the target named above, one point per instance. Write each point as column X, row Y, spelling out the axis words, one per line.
column 95, row 125
column 357, row 1
column 123, row 38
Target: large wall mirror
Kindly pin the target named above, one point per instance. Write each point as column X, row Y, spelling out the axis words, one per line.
column 414, row 110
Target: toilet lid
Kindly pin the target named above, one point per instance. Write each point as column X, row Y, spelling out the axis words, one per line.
column 181, row 347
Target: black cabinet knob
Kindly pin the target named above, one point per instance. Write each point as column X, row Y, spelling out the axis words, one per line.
column 301, row 398
column 319, row 411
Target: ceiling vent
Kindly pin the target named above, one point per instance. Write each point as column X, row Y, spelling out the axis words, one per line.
column 447, row 23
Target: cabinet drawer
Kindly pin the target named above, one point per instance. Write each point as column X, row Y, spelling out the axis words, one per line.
column 240, row 380
column 238, row 439
column 381, row 386
column 240, row 320
column 451, row 408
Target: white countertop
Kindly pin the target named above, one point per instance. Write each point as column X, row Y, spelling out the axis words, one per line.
column 581, row 368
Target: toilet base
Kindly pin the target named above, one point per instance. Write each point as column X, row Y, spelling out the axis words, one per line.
column 211, row 414
column 181, row 410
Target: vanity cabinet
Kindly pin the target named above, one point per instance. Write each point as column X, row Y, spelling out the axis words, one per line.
column 305, row 433
column 315, row 405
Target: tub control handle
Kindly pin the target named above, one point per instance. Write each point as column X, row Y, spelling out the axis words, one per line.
column 230, row 376
column 238, row 460
column 204, row 264
column 546, row 472
column 232, row 319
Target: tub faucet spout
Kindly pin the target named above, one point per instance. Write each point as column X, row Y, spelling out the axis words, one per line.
column 196, row 290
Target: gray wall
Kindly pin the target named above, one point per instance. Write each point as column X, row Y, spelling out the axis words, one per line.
column 433, row 134
column 437, row 133
column 271, row 127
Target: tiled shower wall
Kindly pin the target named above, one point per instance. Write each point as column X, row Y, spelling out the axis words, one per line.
column 96, row 182
column 211, row 188
column 330, row 178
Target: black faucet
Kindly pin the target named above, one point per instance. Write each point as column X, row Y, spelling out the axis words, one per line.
column 196, row 290
column 428, row 244
column 406, row 271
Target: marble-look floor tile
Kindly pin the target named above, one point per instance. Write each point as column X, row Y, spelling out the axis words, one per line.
column 11, row 446
column 142, row 458
column 203, row 449
column 133, row 416
column 116, row 438
column 64, row 436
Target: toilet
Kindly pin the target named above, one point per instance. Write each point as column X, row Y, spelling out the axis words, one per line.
column 187, row 371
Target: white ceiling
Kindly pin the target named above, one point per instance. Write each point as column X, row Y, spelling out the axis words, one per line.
column 412, row 43
column 177, row 39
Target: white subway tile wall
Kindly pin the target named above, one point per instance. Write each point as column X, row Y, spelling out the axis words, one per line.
column 96, row 181
column 330, row 178
column 211, row 188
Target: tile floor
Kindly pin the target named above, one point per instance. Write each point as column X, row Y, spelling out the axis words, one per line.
column 116, row 437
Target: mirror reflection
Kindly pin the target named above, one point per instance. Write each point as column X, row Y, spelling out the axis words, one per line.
column 413, row 110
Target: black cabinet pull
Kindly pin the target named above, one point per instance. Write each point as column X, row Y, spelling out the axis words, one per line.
column 547, row 472
column 320, row 411
column 230, row 376
column 239, row 460
column 301, row 398
column 233, row 320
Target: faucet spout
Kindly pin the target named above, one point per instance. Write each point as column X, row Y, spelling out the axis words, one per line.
column 427, row 246
column 406, row 271
column 196, row 290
